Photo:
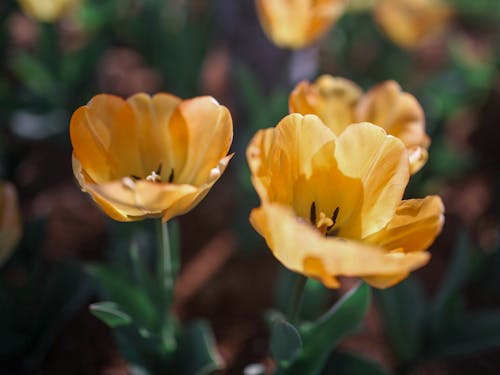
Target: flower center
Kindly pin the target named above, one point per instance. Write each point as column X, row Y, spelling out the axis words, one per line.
column 323, row 223
column 154, row 176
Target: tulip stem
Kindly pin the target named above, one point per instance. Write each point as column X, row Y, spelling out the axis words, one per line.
column 165, row 262
column 296, row 298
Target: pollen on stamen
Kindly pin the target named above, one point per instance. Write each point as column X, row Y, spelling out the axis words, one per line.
column 154, row 177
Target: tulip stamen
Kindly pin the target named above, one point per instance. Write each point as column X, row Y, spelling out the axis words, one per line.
column 323, row 223
column 312, row 213
column 171, row 176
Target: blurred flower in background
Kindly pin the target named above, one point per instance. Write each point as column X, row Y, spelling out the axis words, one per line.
column 47, row 10
column 332, row 206
column 10, row 221
column 298, row 23
column 340, row 102
column 412, row 23
column 149, row 156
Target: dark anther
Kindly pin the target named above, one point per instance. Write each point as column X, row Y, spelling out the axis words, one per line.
column 135, row 177
column 312, row 214
column 335, row 214
column 158, row 171
column 334, row 219
column 171, row 177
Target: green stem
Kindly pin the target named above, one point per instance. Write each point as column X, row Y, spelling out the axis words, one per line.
column 165, row 261
column 296, row 299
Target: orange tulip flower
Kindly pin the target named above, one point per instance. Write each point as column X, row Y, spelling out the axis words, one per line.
column 332, row 206
column 298, row 23
column 340, row 102
column 412, row 23
column 149, row 156
column 10, row 221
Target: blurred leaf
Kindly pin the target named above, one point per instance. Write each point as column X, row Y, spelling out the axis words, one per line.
column 132, row 299
column 470, row 334
column 110, row 313
column 320, row 337
column 197, row 350
column 446, row 161
column 344, row 363
column 285, row 341
column 33, row 74
column 402, row 308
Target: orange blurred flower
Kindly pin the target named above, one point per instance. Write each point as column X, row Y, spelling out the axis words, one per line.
column 47, row 10
column 298, row 23
column 340, row 102
column 412, row 23
column 332, row 206
column 10, row 221
column 149, row 156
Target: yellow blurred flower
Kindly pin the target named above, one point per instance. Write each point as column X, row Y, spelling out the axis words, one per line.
column 412, row 23
column 332, row 206
column 47, row 10
column 340, row 102
column 298, row 23
column 10, row 221
column 149, row 156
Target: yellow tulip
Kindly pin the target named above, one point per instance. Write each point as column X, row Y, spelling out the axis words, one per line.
column 332, row 206
column 412, row 23
column 149, row 156
column 47, row 10
column 298, row 23
column 10, row 221
column 340, row 102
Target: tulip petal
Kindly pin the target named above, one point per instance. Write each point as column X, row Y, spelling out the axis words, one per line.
column 210, row 133
column 104, row 138
column 137, row 199
column 301, row 248
column 418, row 157
column 332, row 99
column 383, row 282
column 155, row 138
column 415, row 225
column 412, row 23
column 278, row 157
column 297, row 23
column 366, row 152
column 398, row 112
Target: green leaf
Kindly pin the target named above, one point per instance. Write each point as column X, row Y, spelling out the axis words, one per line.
column 110, row 313
column 319, row 338
column 344, row 363
column 285, row 341
column 197, row 350
column 402, row 308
